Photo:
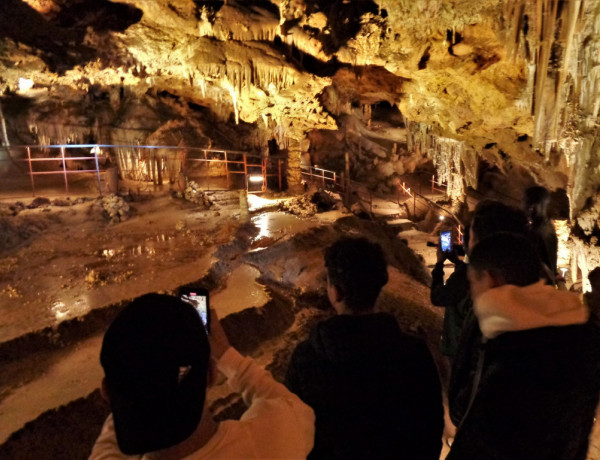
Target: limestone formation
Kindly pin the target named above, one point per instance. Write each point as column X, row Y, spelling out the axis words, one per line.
column 115, row 208
column 301, row 206
column 194, row 194
column 395, row 84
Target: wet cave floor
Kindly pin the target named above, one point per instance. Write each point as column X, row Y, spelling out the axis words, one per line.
column 65, row 272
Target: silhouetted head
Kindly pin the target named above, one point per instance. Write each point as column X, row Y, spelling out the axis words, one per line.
column 155, row 357
column 536, row 202
column 594, row 278
column 503, row 258
column 356, row 270
column 493, row 216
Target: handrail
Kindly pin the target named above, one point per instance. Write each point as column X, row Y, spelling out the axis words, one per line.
column 270, row 166
column 308, row 171
column 135, row 146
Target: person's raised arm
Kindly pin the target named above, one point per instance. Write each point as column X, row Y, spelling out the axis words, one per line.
column 244, row 375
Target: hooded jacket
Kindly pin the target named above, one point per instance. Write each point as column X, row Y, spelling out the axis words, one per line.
column 540, row 377
column 375, row 391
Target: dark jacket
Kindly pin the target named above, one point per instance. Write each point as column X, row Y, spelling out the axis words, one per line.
column 454, row 297
column 375, row 391
column 538, row 391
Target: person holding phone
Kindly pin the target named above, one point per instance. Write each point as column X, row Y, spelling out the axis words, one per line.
column 156, row 357
column 453, row 295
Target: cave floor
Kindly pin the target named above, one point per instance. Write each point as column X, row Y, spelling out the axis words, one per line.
column 48, row 299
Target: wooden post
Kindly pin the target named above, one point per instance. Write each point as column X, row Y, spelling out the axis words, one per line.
column 30, row 171
column 432, row 182
column 323, row 178
column 64, row 162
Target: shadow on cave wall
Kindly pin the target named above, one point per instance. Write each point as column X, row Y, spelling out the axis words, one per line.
column 60, row 39
column 343, row 19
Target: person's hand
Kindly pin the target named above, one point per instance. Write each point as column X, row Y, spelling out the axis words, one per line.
column 219, row 343
column 453, row 256
column 441, row 255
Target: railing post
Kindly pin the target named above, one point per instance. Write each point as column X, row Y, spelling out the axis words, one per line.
column 323, row 178
column 227, row 170
column 30, row 171
column 432, row 182
column 64, row 162
column 246, row 171
column 97, row 170
column 264, row 174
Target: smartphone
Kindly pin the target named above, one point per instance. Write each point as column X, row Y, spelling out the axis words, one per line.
column 446, row 241
column 198, row 298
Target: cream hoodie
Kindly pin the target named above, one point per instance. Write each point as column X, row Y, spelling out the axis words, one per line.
column 513, row 308
column 277, row 425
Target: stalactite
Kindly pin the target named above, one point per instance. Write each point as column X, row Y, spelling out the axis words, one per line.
column 233, row 92
column 447, row 157
column 49, row 133
column 553, row 25
column 202, row 83
column 456, row 165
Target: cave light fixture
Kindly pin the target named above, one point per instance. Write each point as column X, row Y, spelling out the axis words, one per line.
column 255, row 179
column 441, row 217
column 25, row 84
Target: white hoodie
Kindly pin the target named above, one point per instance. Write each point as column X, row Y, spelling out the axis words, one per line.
column 514, row 308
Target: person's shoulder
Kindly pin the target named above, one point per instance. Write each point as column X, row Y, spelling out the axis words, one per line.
column 304, row 353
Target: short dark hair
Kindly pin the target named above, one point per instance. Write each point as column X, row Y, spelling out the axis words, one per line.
column 155, row 357
column 358, row 269
column 493, row 216
column 510, row 256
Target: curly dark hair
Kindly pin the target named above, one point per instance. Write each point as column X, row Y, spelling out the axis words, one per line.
column 358, row 269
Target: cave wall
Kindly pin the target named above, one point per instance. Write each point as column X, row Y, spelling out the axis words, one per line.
column 509, row 82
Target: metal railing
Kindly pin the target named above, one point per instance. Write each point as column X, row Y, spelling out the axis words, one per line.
column 146, row 163
column 338, row 183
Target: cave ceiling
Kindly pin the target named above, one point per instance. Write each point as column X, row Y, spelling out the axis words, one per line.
column 397, row 82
